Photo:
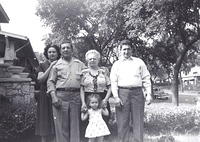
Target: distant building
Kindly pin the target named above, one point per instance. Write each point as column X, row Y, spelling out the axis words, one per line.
column 191, row 80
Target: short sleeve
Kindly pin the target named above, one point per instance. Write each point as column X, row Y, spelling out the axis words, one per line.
column 89, row 111
column 82, row 78
column 83, row 66
column 108, row 83
column 106, row 74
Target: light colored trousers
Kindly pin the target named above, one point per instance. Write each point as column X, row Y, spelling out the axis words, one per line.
column 130, row 115
column 67, row 118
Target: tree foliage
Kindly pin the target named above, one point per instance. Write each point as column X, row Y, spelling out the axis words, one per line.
column 163, row 32
column 98, row 22
column 174, row 25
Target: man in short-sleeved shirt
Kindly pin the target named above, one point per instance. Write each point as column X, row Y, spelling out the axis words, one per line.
column 129, row 78
column 65, row 74
column 64, row 86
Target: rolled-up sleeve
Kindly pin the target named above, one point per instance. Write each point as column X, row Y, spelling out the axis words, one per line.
column 51, row 82
column 146, row 78
column 82, row 78
column 114, row 80
column 108, row 83
column 107, row 76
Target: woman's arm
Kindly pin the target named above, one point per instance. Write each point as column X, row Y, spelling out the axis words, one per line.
column 108, row 94
column 108, row 85
column 105, row 100
column 42, row 76
column 82, row 94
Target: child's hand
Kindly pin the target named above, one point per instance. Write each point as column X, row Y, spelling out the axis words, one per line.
column 84, row 110
column 104, row 106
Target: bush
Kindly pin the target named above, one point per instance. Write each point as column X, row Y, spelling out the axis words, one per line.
column 16, row 119
column 166, row 118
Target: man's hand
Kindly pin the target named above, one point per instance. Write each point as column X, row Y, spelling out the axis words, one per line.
column 104, row 103
column 149, row 99
column 55, row 101
column 57, row 104
column 118, row 102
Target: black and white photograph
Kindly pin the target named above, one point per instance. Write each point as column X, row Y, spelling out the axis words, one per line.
column 99, row 70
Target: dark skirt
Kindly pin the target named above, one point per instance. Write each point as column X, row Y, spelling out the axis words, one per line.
column 44, row 120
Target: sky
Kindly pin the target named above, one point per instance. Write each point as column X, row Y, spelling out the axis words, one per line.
column 23, row 21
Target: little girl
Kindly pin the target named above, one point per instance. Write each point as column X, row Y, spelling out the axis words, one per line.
column 97, row 128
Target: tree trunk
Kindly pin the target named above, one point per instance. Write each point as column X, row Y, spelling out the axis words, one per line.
column 181, row 83
column 175, row 94
column 175, row 82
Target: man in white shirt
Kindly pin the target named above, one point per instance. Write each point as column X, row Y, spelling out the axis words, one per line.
column 131, row 86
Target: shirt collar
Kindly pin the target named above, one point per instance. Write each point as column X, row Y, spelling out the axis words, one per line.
column 127, row 59
column 61, row 60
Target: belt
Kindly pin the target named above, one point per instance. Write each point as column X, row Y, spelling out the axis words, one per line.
column 130, row 88
column 68, row 89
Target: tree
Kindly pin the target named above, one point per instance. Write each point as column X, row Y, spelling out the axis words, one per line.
column 174, row 25
column 98, row 23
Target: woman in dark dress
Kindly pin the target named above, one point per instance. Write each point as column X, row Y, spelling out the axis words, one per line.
column 44, row 120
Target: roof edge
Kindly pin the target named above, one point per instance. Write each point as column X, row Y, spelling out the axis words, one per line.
column 4, row 14
column 13, row 35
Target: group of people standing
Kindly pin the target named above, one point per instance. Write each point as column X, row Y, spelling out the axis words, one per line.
column 74, row 98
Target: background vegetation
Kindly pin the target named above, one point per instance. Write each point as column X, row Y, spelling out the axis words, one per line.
column 164, row 33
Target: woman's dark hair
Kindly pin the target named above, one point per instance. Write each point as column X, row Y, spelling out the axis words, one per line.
column 94, row 96
column 47, row 48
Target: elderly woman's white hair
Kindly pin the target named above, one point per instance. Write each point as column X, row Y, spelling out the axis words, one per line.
column 95, row 52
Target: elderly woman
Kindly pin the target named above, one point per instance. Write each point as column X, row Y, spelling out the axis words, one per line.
column 44, row 121
column 94, row 79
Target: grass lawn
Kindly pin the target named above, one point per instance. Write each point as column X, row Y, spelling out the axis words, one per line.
column 176, row 138
column 166, row 114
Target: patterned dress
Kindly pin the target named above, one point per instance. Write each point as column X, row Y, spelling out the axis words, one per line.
column 95, row 83
column 97, row 126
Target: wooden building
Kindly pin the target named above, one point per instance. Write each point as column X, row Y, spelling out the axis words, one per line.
column 17, row 75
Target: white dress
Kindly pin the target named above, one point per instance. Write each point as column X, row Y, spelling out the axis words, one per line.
column 97, row 126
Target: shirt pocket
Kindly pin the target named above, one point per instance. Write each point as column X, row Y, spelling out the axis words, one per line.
column 63, row 74
column 78, row 76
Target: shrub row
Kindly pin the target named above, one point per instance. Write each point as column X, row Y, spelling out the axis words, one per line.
column 16, row 120
column 165, row 118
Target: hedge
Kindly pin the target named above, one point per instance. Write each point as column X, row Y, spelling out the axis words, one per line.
column 165, row 118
